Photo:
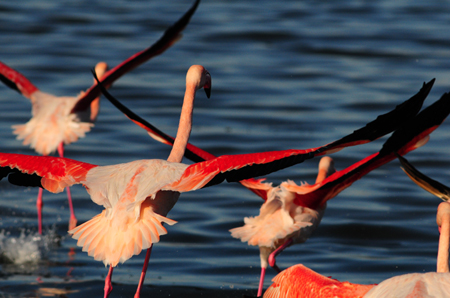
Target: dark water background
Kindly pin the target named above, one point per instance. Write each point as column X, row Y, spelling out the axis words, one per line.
column 286, row 74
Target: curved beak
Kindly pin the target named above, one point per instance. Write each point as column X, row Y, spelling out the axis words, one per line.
column 208, row 84
column 207, row 91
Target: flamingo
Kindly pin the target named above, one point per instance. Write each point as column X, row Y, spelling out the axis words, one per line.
column 280, row 222
column 59, row 121
column 134, row 209
column 52, row 124
column 300, row 281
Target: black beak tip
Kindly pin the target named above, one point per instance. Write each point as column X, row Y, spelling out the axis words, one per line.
column 208, row 92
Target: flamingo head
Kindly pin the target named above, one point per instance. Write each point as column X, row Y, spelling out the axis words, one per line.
column 199, row 77
column 443, row 214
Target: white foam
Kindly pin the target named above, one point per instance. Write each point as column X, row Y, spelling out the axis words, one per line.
column 28, row 247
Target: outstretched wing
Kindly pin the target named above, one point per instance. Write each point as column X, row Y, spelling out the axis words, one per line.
column 15, row 80
column 171, row 35
column 385, row 123
column 411, row 135
column 51, row 173
column 232, row 168
column 382, row 125
column 432, row 186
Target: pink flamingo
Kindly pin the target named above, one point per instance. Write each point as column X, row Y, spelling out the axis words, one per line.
column 130, row 192
column 137, row 195
column 62, row 120
column 282, row 222
column 53, row 124
column 300, row 281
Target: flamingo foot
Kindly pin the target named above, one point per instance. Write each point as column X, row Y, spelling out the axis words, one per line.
column 276, row 252
column 108, row 285
column 261, row 282
column 39, row 205
column 144, row 271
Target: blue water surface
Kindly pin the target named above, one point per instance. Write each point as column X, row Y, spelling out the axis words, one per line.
column 286, row 74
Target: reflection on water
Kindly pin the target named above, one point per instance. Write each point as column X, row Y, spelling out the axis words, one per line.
column 290, row 74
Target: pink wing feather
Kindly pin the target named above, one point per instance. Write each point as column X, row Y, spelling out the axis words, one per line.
column 411, row 135
column 300, row 281
column 15, row 80
column 382, row 125
column 171, row 35
column 53, row 173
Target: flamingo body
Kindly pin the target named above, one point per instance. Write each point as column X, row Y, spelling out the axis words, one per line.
column 130, row 221
column 277, row 221
column 429, row 285
column 299, row 281
column 281, row 219
column 53, row 123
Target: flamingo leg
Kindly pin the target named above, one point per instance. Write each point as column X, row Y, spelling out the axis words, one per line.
column 261, row 282
column 108, row 285
column 39, row 205
column 144, row 271
column 272, row 264
column 276, row 252
column 73, row 219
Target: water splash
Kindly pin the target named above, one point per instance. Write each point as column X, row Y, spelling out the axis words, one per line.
column 27, row 248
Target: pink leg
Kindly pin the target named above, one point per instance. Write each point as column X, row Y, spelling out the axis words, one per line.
column 276, row 252
column 39, row 205
column 73, row 219
column 61, row 149
column 108, row 284
column 261, row 282
column 144, row 271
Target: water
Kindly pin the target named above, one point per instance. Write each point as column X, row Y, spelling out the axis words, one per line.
column 290, row 74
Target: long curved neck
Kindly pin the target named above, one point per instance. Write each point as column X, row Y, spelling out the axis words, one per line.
column 442, row 259
column 185, row 125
